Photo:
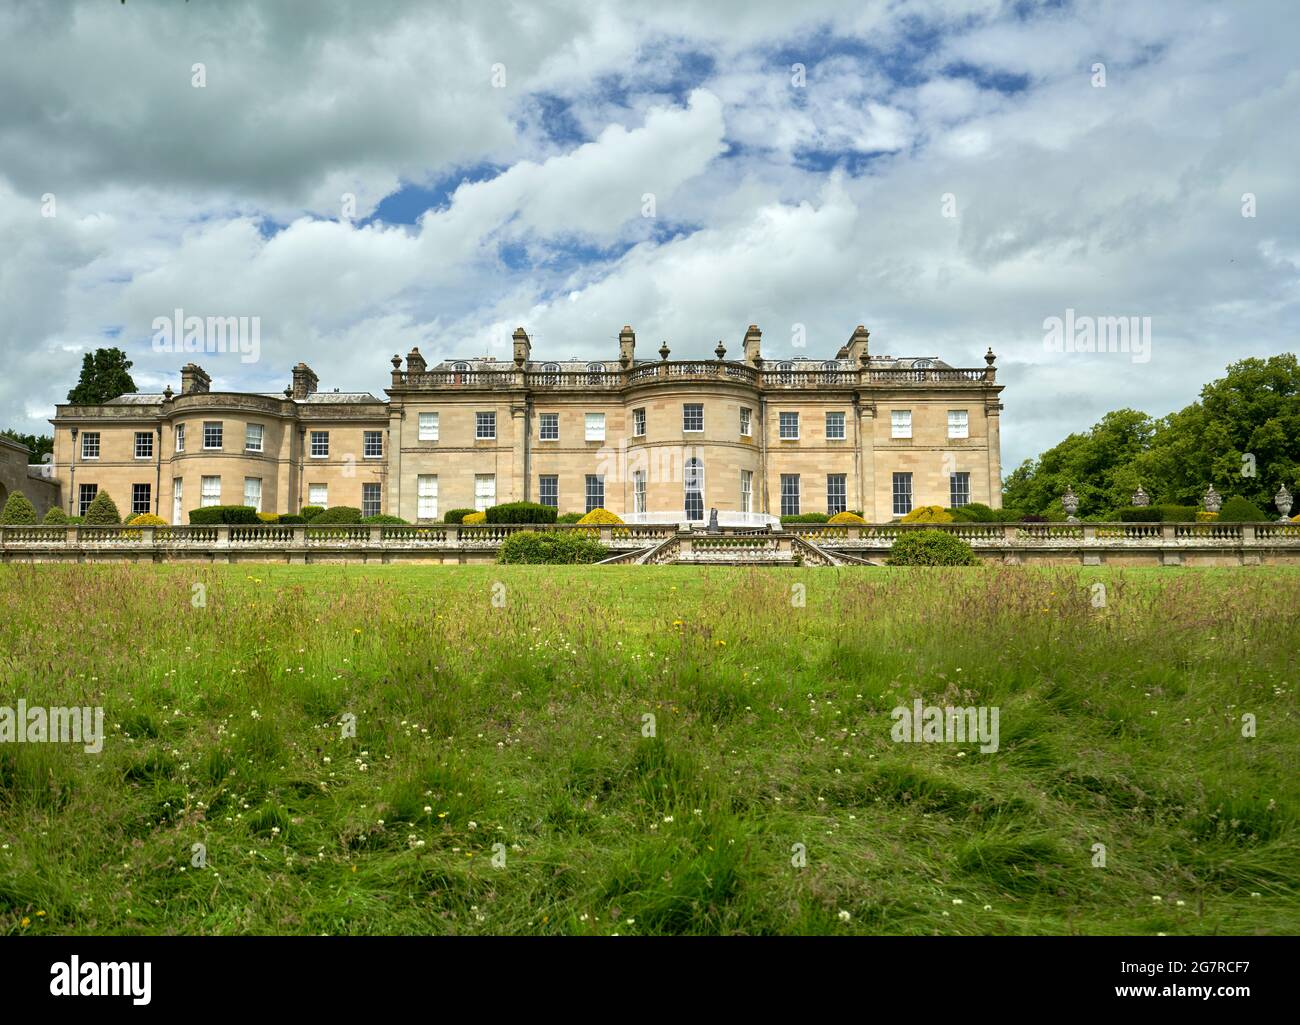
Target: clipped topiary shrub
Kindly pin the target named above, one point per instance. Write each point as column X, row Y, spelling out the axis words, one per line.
column 569, row 517
column 1241, row 510
column 846, row 517
column 474, row 517
column 980, row 513
column 550, row 547
column 310, row 512
column 599, row 517
column 521, row 512
column 1177, row 513
column 456, row 515
column 1137, row 514
column 269, row 517
column 805, row 518
column 928, row 514
column 382, row 518
column 210, row 514
column 102, row 512
column 931, row 548
column 146, row 520
column 337, row 514
column 292, row 518
column 959, row 514
column 55, row 517
column 18, row 511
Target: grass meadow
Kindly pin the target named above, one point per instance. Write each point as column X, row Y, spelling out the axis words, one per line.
column 500, row 779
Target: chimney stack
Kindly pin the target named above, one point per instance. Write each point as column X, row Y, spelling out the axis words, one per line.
column 415, row 362
column 523, row 347
column 856, row 350
column 304, row 381
column 626, row 346
column 753, row 345
column 194, row 380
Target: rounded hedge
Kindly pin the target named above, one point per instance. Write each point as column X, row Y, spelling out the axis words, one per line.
column 569, row 517
column 931, row 548
column 146, row 520
column 846, row 517
column 551, row 548
column 382, row 518
column 18, row 511
column 928, row 514
column 599, row 517
column 337, row 514
column 1241, row 510
column 310, row 512
column 475, row 517
column 102, row 512
column 56, row 517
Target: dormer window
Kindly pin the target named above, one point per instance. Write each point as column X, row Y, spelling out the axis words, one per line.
column 595, row 373
column 786, row 372
column 550, row 374
column 460, row 367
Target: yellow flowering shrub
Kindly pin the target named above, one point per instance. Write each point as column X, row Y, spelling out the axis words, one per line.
column 600, row 516
column 928, row 514
column 269, row 517
column 846, row 517
column 146, row 520
column 475, row 517
column 1202, row 516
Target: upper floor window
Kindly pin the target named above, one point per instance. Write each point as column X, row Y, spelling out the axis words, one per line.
column 253, row 437
column 835, row 427
column 789, row 425
column 144, row 445
column 958, row 424
column 900, row 423
column 320, row 444
column 428, row 426
column 548, row 426
column 746, row 422
column 372, row 444
column 90, row 445
column 638, row 423
column 693, row 416
column 180, row 437
column 595, row 423
column 485, row 427
column 212, row 434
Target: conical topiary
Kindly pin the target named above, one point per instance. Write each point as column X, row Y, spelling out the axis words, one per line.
column 18, row 511
column 102, row 512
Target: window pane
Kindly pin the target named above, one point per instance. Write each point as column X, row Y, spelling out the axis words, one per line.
column 253, row 492
column 638, row 422
column 140, row 499
column 746, row 490
column 370, row 500
column 836, row 493
column 485, row 426
column 253, row 438
column 485, row 491
column 144, row 444
column 789, row 494
column 693, row 478
column 212, row 434
column 428, row 426
column 900, row 422
column 693, row 417
column 549, row 427
column 902, row 494
column 958, row 424
column 180, row 437
column 789, row 425
column 548, row 490
column 90, row 445
column 835, row 426
column 373, row 446
column 959, row 489
column 318, row 494
column 638, row 491
column 595, row 426
column 595, row 491
column 427, row 501
column 85, row 495
column 746, row 421
column 320, row 443
column 210, row 491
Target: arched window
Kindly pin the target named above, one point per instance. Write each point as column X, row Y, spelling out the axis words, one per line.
column 921, row 365
column 693, row 481
column 551, row 374
column 460, row 367
column 595, row 373
column 832, row 367
column 785, row 372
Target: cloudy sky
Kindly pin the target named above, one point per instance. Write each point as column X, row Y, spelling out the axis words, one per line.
column 949, row 172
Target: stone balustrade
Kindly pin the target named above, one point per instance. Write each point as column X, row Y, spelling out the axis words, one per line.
column 1077, row 543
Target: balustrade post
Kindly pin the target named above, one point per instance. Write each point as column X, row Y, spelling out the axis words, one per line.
column 607, row 535
column 70, row 541
column 1009, row 531
column 1168, row 531
column 1248, row 533
column 453, row 534
column 1090, row 532
column 376, row 534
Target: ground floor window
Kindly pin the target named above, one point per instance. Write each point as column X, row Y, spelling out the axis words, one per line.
column 746, row 491
column 959, row 489
column 638, row 491
column 836, row 493
column 253, row 492
column 141, row 499
column 85, row 495
column 210, row 491
column 595, row 491
column 318, row 494
column 426, row 507
column 485, row 491
column 371, row 501
column 548, row 490
column 789, row 494
column 693, row 476
column 902, row 494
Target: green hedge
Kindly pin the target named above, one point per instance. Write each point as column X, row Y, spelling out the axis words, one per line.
column 1137, row 514
column 521, row 512
column 977, row 512
column 18, row 511
column 572, row 517
column 338, row 514
column 806, row 518
column 931, row 548
column 292, row 518
column 382, row 518
column 550, row 547
column 55, row 517
column 456, row 515
column 310, row 512
column 210, row 514
column 1241, row 510
column 102, row 512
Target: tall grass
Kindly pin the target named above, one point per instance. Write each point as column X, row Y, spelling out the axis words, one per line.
column 504, row 705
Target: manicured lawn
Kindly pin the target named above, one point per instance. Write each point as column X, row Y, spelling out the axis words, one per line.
column 506, row 706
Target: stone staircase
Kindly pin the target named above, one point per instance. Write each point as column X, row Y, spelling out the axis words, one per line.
column 761, row 548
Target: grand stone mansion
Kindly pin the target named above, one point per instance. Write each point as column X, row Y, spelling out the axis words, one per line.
column 648, row 439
